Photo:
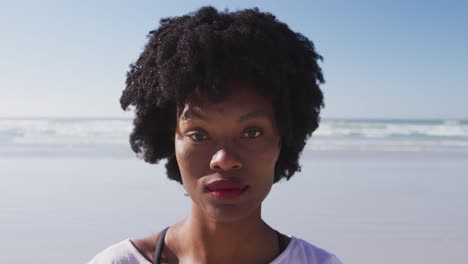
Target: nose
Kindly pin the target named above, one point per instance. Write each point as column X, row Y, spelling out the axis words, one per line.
column 225, row 160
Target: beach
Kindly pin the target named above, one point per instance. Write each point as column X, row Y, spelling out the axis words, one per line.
column 384, row 200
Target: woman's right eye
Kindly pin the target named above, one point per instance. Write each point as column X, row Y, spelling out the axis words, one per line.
column 197, row 136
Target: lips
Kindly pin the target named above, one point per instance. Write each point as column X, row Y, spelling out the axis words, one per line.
column 226, row 188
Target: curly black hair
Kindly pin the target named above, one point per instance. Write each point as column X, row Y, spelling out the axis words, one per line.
column 204, row 51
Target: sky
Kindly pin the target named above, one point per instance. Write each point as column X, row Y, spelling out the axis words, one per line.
column 382, row 59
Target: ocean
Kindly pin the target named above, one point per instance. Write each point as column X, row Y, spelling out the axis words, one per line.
column 370, row 191
column 109, row 137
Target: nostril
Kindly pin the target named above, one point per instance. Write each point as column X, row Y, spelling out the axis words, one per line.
column 224, row 160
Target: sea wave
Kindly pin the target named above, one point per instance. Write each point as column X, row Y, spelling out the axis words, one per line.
column 64, row 131
column 410, row 129
column 74, row 135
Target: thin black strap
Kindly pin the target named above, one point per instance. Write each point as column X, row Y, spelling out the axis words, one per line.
column 160, row 243
column 159, row 246
column 281, row 243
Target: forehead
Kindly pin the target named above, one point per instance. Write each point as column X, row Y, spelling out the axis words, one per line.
column 239, row 100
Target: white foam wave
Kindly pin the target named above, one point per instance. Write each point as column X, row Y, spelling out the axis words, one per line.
column 44, row 131
column 384, row 129
column 111, row 135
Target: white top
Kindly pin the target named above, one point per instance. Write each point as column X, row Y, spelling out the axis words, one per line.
column 298, row 251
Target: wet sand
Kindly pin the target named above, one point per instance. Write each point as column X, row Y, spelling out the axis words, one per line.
column 366, row 207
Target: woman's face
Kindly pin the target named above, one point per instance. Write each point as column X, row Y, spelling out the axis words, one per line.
column 226, row 152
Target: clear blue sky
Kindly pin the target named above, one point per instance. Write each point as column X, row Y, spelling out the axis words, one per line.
column 398, row 59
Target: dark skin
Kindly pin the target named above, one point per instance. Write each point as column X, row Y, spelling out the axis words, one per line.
column 233, row 139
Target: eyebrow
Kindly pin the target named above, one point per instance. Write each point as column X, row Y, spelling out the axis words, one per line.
column 253, row 115
column 192, row 114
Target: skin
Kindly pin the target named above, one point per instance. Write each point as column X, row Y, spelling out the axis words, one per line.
column 238, row 139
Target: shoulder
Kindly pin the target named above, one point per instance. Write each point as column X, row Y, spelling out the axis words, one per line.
column 301, row 251
column 127, row 252
column 120, row 253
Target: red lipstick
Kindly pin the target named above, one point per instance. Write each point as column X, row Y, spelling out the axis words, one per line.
column 226, row 188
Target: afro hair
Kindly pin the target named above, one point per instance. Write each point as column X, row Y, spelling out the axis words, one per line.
column 204, row 51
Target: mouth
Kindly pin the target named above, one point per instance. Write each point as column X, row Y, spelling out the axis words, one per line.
column 226, row 188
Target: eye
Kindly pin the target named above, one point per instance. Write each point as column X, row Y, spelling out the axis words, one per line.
column 252, row 133
column 197, row 136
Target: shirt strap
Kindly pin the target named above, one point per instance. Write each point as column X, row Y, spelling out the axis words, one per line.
column 159, row 246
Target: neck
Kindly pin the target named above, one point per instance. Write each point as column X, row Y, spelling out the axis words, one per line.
column 213, row 241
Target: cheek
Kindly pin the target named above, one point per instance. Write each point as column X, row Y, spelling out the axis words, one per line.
column 261, row 162
column 192, row 161
column 263, row 167
column 264, row 153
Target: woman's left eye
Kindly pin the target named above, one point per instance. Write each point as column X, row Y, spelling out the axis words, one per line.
column 252, row 133
column 197, row 136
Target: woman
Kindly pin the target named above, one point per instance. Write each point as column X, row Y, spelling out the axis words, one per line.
column 229, row 99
